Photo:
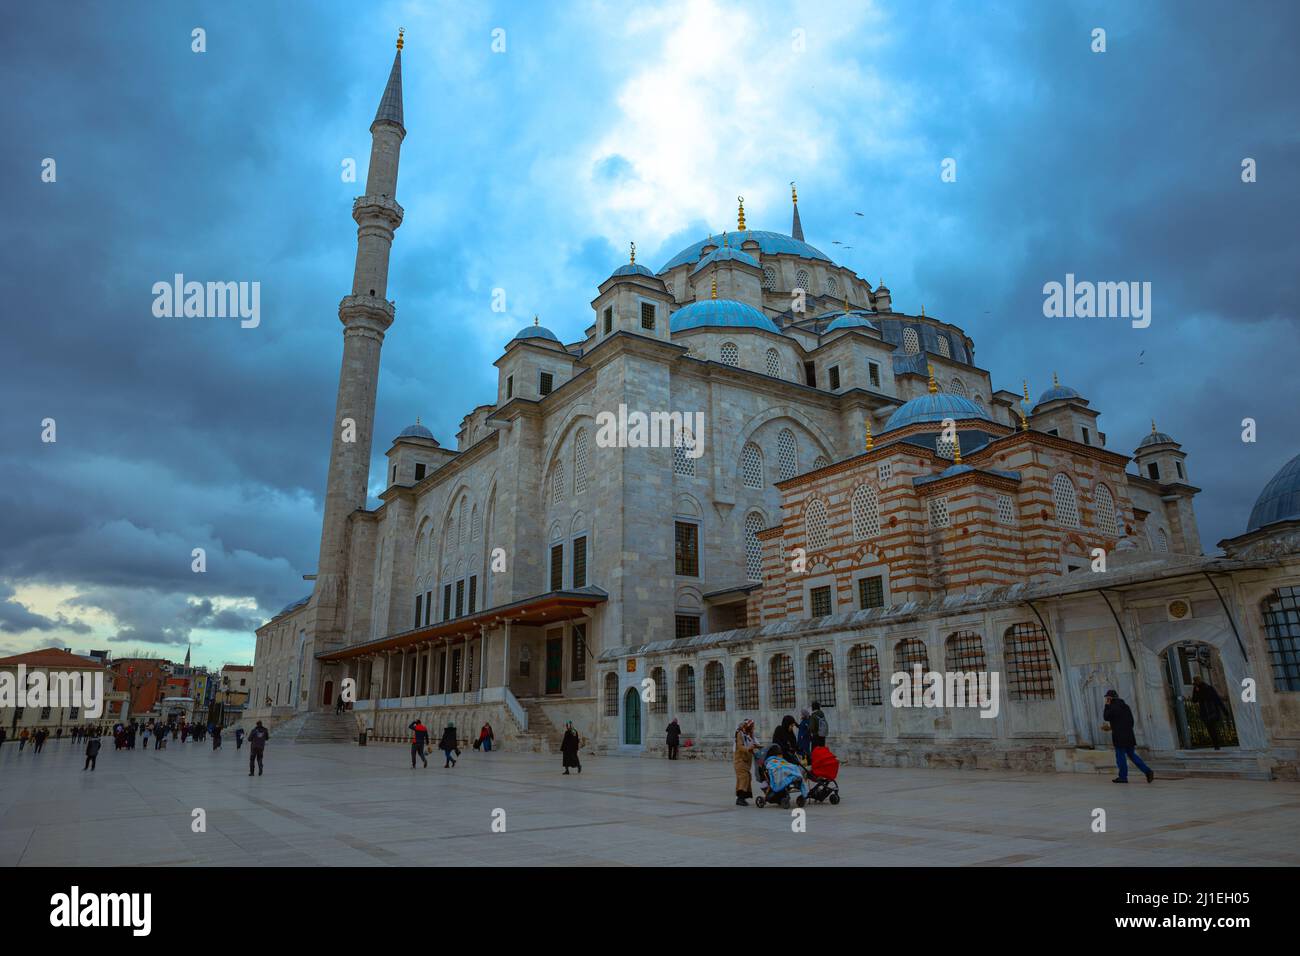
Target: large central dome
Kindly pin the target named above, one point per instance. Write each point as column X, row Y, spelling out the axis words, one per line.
column 769, row 243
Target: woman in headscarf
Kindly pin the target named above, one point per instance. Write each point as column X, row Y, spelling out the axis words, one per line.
column 569, row 748
column 784, row 737
column 743, row 761
column 804, row 739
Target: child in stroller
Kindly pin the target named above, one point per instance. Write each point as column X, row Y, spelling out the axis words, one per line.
column 780, row 779
column 825, row 768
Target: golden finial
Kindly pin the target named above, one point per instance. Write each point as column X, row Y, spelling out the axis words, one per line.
column 1026, row 391
column 401, row 31
column 1056, row 382
column 956, row 449
column 922, row 310
column 740, row 219
column 870, row 441
column 634, row 253
column 1024, row 422
column 417, row 419
column 713, row 283
column 794, row 193
column 724, row 239
column 934, row 388
column 535, row 320
column 1153, row 426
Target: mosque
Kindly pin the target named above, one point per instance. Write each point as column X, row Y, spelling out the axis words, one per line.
column 860, row 499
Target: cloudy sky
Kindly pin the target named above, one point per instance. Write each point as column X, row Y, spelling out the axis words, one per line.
column 530, row 170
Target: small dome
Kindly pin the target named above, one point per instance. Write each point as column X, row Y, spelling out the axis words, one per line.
column 631, row 269
column 935, row 407
column 415, row 431
column 1280, row 499
column 726, row 252
column 1156, row 438
column 1056, row 393
column 853, row 319
column 724, row 313
column 535, row 332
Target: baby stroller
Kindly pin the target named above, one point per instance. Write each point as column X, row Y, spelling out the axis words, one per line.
column 825, row 768
column 780, row 779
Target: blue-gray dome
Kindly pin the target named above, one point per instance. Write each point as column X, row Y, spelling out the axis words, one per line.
column 632, row 269
column 725, row 313
column 1280, row 499
column 1056, row 393
column 536, row 332
column 935, row 408
column 1156, row 438
column 769, row 243
column 415, row 431
column 726, row 252
column 853, row 319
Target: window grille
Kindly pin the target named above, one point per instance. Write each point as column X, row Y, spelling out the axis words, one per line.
column 782, row 681
column 1029, row 663
column 938, row 512
column 753, row 547
column 751, row 466
column 821, row 601
column 786, row 454
column 871, row 592
column 1006, row 510
column 1106, row 522
column 816, row 525
column 1066, row 501
column 746, row 684
column 864, row 676
column 715, row 687
column 730, row 354
column 659, row 677
column 686, row 689
column 611, row 695
column 580, row 461
column 866, row 512
column 1281, row 613
column 911, row 344
column 773, row 361
column 821, row 678
column 964, row 651
column 687, row 548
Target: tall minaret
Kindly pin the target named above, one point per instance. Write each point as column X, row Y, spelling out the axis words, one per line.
column 366, row 315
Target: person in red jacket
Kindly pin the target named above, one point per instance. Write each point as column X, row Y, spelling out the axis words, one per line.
column 419, row 741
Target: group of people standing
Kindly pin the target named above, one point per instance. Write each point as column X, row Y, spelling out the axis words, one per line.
column 795, row 738
column 449, row 743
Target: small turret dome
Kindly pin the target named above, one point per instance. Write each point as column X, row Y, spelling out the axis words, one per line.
column 631, row 269
column 935, row 407
column 1056, row 393
column 1156, row 438
column 1280, row 499
column 536, row 331
column 853, row 319
column 720, row 313
column 416, row 431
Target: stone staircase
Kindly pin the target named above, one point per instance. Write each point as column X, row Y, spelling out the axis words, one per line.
column 1220, row 764
column 316, row 727
column 542, row 736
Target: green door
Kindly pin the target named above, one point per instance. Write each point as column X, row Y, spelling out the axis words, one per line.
column 631, row 717
column 554, row 664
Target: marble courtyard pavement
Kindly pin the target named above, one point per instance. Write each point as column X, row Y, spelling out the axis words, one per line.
column 344, row 805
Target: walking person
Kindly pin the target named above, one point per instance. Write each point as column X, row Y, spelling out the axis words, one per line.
column 144, row 736
column 485, row 737
column 338, row 707
column 216, row 738
column 569, row 748
column 92, row 754
column 38, row 744
column 743, row 762
column 818, row 726
column 1213, row 710
column 419, row 741
column 803, row 739
column 22, row 739
column 185, row 732
column 448, row 745
column 1119, row 721
column 257, row 739
column 239, row 738
column 673, row 738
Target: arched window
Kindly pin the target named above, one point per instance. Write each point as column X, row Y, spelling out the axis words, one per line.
column 580, row 461
column 715, row 687
column 821, row 678
column 781, row 678
column 864, row 676
column 751, row 466
column 462, row 523
column 1106, row 522
column 773, row 359
column 475, row 524
column 911, row 344
column 769, row 278
column 944, row 349
column 1029, row 663
column 832, row 287
column 1066, row 500
column 801, row 280
column 746, row 684
column 683, row 460
column 939, row 517
column 611, row 694
column 979, row 400
column 753, row 547
column 1281, row 614
column 659, row 678
column 786, row 454
column 866, row 513
column 816, row 525
column 730, row 354
column 686, row 689
column 958, row 387
column 964, row 652
column 908, row 653
column 1162, row 540
column 557, row 483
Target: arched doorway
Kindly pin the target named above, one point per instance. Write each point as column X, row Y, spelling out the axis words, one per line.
column 327, row 697
column 632, row 717
column 1183, row 662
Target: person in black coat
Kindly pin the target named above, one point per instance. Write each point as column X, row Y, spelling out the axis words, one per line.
column 1119, row 720
column 1211, row 705
column 569, row 748
column 787, row 738
column 448, row 746
column 92, row 754
column 674, row 738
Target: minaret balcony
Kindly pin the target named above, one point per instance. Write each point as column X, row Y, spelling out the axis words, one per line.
column 371, row 207
column 367, row 311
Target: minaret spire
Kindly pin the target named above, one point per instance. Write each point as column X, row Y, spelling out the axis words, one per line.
column 796, row 229
column 390, row 104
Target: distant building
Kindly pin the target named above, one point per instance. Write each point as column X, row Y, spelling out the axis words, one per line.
column 52, row 661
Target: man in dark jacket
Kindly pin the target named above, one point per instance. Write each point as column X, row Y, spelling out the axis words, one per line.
column 257, row 739
column 1119, row 719
column 419, row 741
column 818, row 726
column 673, row 738
column 92, row 753
column 1211, row 705
column 449, row 745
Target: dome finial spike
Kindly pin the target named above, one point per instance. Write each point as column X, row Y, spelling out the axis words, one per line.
column 794, row 193
column 740, row 217
column 417, row 419
column 1153, row 426
column 535, row 320
column 633, row 260
column 923, row 310
column 870, row 441
column 713, row 285
column 1026, row 391
column 1056, row 382
column 724, row 239
column 401, row 32
column 934, row 388
column 956, row 448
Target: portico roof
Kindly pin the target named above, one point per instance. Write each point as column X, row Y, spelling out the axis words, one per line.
column 549, row 608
